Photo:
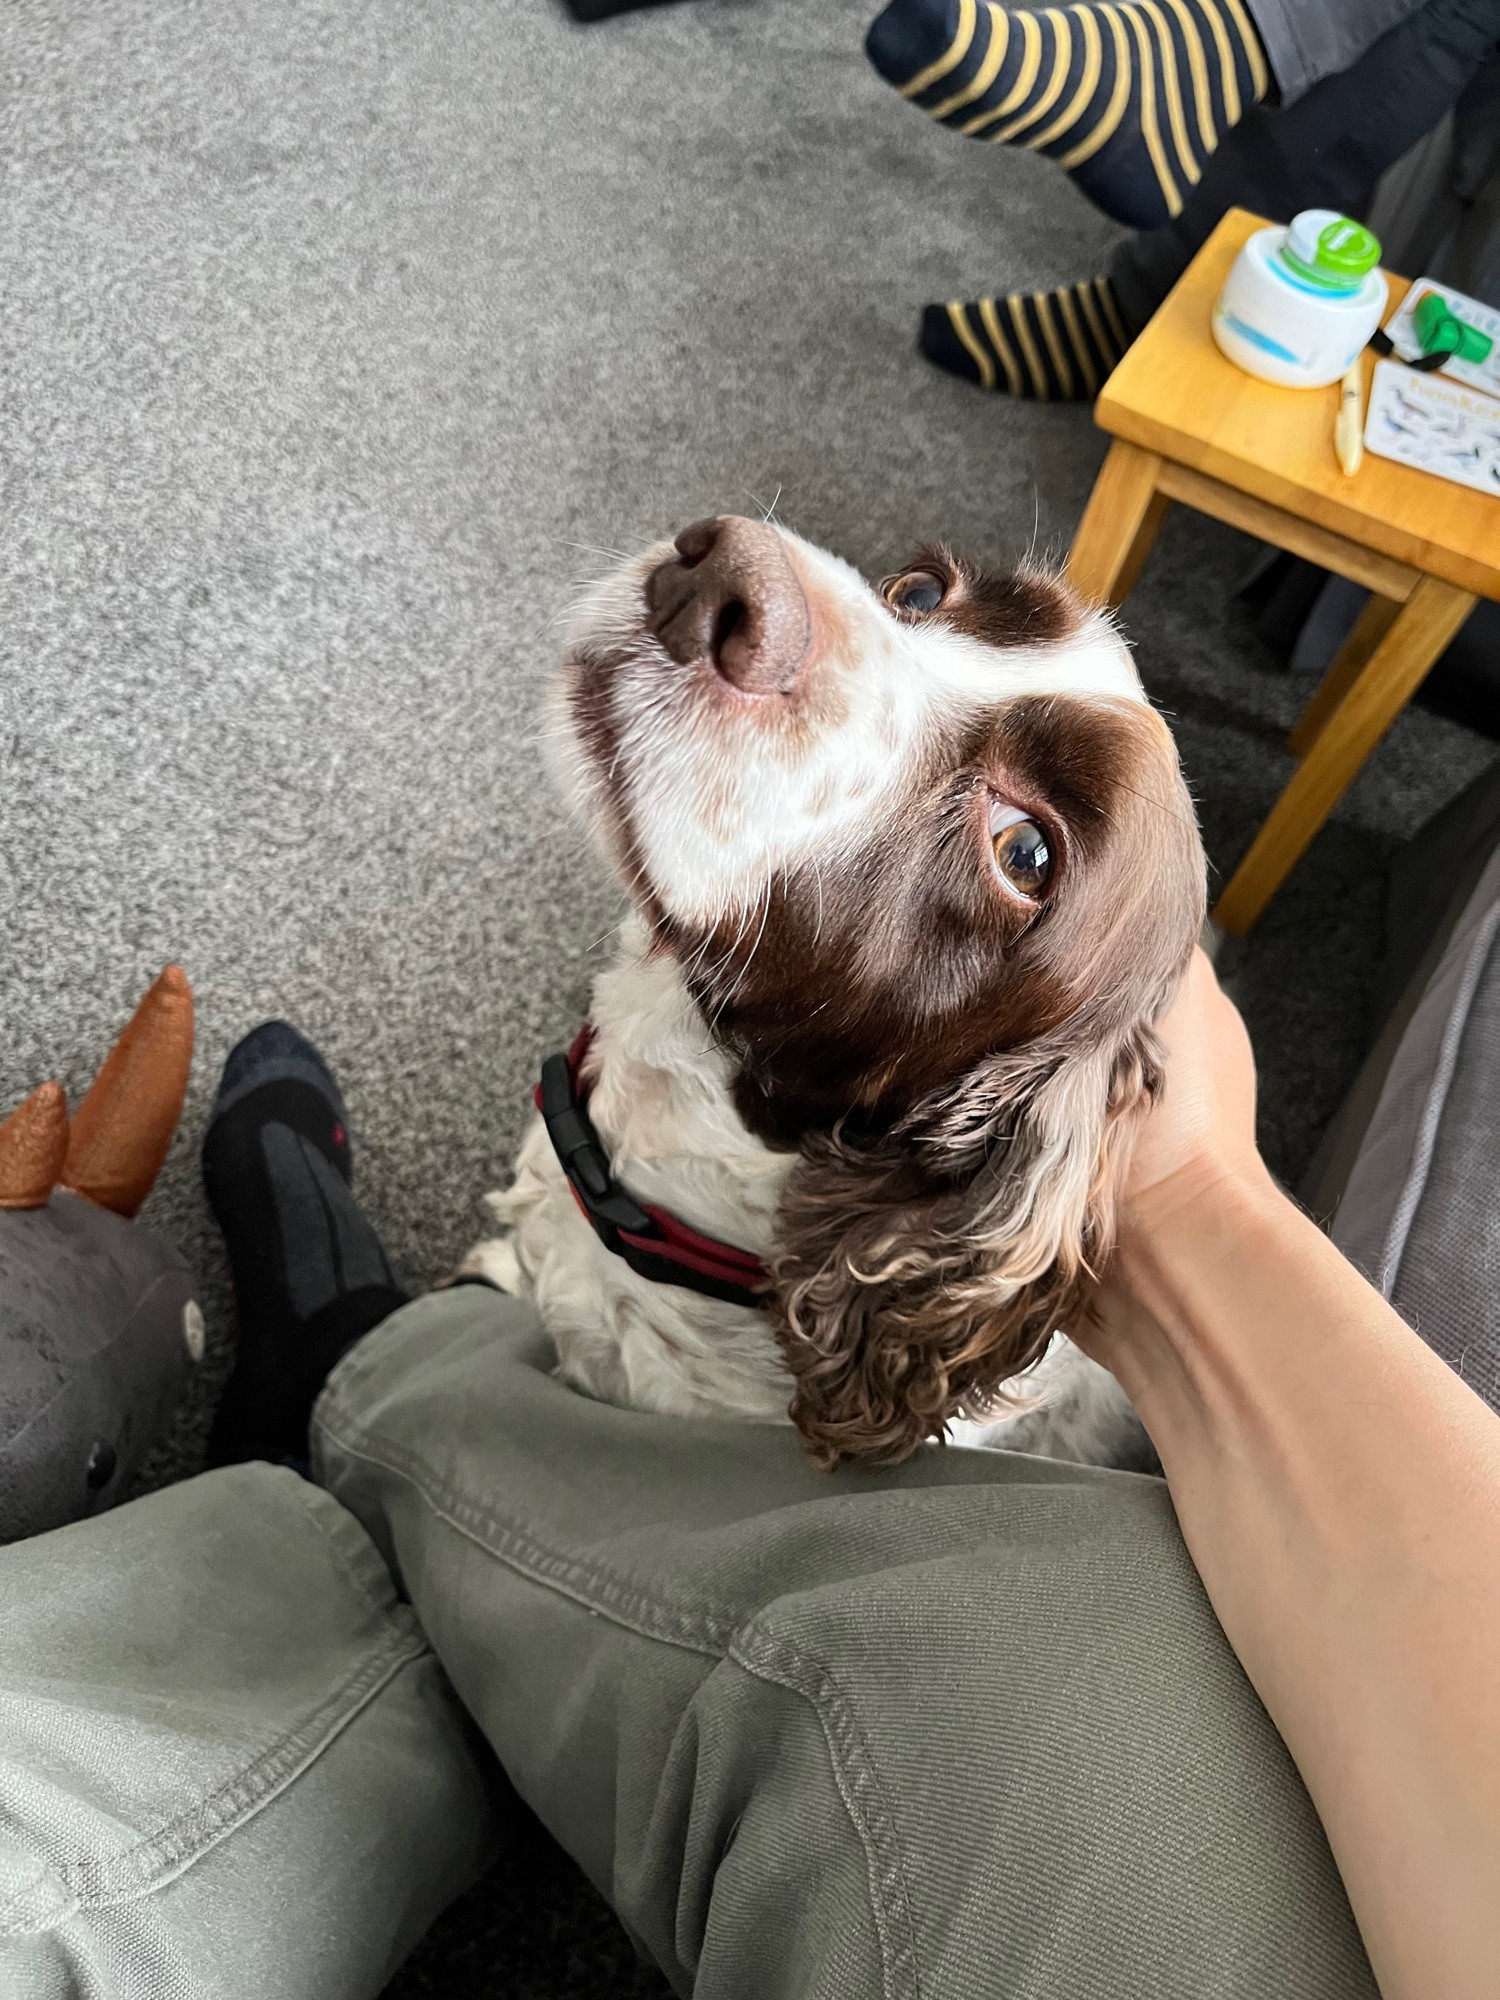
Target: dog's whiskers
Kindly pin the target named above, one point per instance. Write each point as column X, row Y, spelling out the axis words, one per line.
column 763, row 899
column 597, row 549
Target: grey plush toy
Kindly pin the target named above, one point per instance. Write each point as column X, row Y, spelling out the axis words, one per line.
column 98, row 1325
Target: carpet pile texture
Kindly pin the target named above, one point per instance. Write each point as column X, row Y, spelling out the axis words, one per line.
column 341, row 343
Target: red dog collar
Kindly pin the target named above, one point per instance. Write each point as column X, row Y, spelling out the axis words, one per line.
column 652, row 1242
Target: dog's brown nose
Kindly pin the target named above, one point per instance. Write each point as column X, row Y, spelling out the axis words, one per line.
column 731, row 596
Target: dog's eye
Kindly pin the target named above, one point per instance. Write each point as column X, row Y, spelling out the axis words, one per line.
column 1023, row 853
column 918, row 590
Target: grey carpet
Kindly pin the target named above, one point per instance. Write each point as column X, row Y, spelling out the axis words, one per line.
column 340, row 341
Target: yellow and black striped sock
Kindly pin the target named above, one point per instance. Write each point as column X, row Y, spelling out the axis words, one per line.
column 1057, row 346
column 1129, row 97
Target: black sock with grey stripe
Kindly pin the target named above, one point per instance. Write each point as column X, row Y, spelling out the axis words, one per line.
column 310, row 1274
column 1055, row 346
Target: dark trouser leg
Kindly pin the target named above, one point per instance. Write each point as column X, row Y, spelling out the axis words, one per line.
column 1325, row 151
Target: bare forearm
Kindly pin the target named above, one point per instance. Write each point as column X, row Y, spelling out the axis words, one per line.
column 1339, row 1489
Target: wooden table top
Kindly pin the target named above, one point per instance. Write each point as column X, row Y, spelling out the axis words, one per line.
column 1176, row 394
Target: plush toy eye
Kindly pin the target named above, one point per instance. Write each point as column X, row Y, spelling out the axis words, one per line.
column 918, row 590
column 1023, row 853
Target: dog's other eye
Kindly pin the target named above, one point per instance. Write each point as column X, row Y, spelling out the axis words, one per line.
column 1023, row 853
column 918, row 590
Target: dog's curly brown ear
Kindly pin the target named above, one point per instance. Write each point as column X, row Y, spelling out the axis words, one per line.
column 919, row 1271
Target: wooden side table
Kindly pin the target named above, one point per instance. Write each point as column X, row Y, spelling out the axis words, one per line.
column 1191, row 427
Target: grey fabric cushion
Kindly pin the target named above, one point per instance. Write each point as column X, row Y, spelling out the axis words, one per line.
column 1433, row 877
column 1419, row 1213
column 98, row 1332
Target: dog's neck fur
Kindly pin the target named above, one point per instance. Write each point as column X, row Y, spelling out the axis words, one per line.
column 660, row 1101
column 663, row 1107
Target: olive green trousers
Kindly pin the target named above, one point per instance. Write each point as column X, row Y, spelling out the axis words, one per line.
column 965, row 1730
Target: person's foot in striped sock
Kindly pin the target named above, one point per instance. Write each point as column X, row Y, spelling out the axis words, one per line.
column 1053, row 346
column 1129, row 97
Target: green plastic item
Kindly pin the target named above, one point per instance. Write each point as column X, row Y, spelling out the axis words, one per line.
column 1329, row 250
column 1439, row 330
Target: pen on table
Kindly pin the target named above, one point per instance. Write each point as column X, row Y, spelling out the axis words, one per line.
column 1348, row 429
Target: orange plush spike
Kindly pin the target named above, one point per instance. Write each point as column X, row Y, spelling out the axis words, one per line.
column 33, row 1145
column 123, row 1128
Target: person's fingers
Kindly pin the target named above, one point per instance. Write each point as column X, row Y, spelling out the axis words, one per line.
column 1205, row 1114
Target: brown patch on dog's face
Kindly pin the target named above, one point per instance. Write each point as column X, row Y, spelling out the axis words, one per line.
column 868, row 983
column 1002, row 608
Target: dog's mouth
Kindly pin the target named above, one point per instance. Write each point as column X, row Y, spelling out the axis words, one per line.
column 729, row 599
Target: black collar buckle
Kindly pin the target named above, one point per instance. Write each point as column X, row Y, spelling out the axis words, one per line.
column 606, row 1204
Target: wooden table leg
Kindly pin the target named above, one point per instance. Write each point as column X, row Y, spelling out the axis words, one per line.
column 1350, row 661
column 1119, row 525
column 1393, row 672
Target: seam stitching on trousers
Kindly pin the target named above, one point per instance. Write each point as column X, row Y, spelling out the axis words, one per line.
column 778, row 1661
column 722, row 1635
column 704, row 1628
column 98, row 1882
column 365, row 1582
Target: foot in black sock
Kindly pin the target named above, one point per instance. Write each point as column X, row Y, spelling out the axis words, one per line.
column 1128, row 98
column 310, row 1274
column 1054, row 346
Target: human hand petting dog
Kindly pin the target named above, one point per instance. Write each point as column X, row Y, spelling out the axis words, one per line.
column 1338, row 1487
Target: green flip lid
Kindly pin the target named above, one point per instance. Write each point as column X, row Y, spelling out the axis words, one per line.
column 1329, row 250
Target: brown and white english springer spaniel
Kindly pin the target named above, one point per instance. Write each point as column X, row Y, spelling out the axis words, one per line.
column 912, row 871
